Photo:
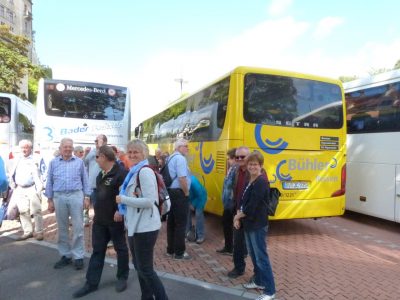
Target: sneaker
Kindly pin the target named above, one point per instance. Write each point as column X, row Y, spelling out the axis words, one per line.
column 266, row 297
column 64, row 261
column 120, row 285
column 234, row 273
column 78, row 264
column 184, row 256
column 86, row 289
column 200, row 241
column 169, row 254
column 25, row 237
column 252, row 285
column 39, row 236
column 224, row 251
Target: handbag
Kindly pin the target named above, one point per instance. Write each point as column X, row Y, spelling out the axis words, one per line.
column 191, row 235
column 273, row 201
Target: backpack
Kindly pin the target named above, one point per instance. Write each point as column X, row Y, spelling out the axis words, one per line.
column 272, row 201
column 165, row 173
column 164, row 203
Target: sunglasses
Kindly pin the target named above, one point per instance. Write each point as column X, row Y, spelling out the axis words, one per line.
column 240, row 157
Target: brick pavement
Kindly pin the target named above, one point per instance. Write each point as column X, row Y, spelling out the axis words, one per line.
column 350, row 257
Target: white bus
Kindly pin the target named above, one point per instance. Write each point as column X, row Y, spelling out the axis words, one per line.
column 81, row 111
column 17, row 122
column 373, row 161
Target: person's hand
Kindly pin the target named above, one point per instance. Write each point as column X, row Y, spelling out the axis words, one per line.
column 118, row 217
column 50, row 205
column 236, row 224
column 86, row 203
column 118, row 199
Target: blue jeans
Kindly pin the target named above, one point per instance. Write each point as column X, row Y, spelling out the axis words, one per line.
column 142, row 245
column 257, row 247
column 199, row 216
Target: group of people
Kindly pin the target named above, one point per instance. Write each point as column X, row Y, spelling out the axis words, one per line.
column 78, row 178
column 245, row 218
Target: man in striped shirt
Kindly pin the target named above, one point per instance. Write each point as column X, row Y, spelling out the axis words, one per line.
column 68, row 191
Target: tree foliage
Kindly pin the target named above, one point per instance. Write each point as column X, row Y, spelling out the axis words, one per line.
column 14, row 61
column 15, row 64
column 397, row 65
column 37, row 73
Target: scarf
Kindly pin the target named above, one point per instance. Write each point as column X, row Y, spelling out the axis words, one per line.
column 133, row 171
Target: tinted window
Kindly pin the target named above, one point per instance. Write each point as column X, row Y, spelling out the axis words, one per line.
column 24, row 125
column 292, row 102
column 84, row 101
column 5, row 110
column 375, row 109
column 201, row 117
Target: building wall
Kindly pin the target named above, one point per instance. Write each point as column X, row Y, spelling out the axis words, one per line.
column 18, row 15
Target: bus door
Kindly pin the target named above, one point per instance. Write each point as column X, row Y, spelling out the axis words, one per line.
column 7, row 130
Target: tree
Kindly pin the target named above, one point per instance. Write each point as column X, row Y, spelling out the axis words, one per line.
column 37, row 73
column 347, row 78
column 14, row 61
column 397, row 65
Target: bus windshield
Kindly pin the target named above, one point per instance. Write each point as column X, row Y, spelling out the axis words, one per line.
column 84, row 101
column 292, row 102
column 5, row 110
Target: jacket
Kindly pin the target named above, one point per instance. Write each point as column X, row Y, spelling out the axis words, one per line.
column 142, row 214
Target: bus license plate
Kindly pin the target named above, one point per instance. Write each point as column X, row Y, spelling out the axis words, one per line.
column 295, row 185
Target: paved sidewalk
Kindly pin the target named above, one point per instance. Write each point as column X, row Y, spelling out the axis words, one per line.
column 26, row 272
column 349, row 257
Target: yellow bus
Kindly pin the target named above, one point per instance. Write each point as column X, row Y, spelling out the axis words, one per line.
column 295, row 120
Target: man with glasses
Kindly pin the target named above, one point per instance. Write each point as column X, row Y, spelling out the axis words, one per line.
column 239, row 243
column 179, row 194
column 91, row 164
column 107, row 224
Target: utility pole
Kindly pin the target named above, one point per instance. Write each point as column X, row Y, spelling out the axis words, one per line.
column 181, row 82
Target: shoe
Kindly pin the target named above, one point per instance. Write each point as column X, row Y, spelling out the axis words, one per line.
column 39, row 236
column 252, row 285
column 169, row 254
column 25, row 237
column 86, row 289
column 120, row 285
column 200, row 241
column 64, row 261
column 184, row 256
column 224, row 251
column 266, row 297
column 234, row 273
column 78, row 264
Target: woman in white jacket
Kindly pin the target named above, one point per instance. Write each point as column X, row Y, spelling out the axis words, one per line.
column 142, row 218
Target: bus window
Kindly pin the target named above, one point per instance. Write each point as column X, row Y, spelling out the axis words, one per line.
column 5, row 110
column 287, row 101
column 65, row 100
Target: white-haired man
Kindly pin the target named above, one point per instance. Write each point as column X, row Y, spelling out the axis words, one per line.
column 25, row 179
column 67, row 190
column 179, row 194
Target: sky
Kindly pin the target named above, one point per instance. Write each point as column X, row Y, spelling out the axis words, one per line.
column 150, row 45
